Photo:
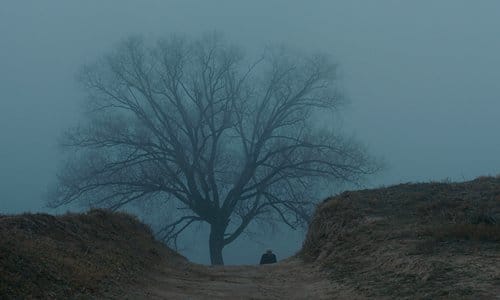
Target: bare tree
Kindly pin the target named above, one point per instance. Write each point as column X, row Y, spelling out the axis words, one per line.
column 194, row 122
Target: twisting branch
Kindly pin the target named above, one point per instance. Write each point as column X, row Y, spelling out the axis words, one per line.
column 171, row 232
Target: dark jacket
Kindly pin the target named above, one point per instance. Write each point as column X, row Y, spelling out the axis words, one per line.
column 268, row 258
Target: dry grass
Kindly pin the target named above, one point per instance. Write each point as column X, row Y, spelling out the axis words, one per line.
column 410, row 241
column 472, row 232
column 74, row 255
column 434, row 240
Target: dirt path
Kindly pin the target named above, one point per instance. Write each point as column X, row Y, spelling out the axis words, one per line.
column 290, row 279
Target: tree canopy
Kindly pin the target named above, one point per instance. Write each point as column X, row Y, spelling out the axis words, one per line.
column 197, row 123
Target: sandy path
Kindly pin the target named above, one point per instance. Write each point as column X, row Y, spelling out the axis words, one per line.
column 290, row 279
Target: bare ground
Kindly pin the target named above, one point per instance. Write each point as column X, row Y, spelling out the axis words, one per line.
column 290, row 279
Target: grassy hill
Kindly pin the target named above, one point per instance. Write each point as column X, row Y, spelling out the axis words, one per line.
column 413, row 241
column 430, row 240
column 74, row 255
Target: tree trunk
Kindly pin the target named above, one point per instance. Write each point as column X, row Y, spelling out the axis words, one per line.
column 216, row 244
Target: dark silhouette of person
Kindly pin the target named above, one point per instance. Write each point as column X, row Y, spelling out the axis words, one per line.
column 268, row 258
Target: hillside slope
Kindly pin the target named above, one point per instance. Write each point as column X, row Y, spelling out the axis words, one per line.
column 104, row 255
column 410, row 241
column 433, row 240
column 75, row 255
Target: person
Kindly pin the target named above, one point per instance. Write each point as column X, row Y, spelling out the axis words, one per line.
column 268, row 258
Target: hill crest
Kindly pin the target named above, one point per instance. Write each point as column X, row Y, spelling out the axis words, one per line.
column 412, row 240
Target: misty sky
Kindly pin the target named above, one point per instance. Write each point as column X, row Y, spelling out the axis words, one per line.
column 422, row 77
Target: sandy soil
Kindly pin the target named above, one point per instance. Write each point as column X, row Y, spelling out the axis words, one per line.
column 290, row 279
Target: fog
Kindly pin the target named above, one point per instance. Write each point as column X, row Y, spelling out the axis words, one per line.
column 422, row 79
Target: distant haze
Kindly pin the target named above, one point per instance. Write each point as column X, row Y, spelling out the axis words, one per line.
column 422, row 78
